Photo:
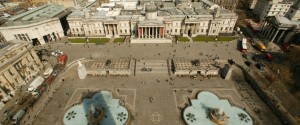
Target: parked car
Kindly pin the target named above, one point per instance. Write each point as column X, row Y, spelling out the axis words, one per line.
column 260, row 65
column 257, row 57
column 55, row 72
column 230, row 61
column 17, row 117
column 246, row 56
column 20, row 101
column 8, row 110
column 248, row 63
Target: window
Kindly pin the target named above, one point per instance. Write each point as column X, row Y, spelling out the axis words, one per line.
column 23, row 36
column 19, row 36
column 125, row 31
column 89, row 32
column 10, row 72
column 99, row 31
column 202, row 30
column 175, row 30
column 167, row 31
column 95, row 31
column 221, row 28
column 76, row 29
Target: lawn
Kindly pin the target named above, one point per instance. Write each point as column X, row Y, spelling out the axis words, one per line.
column 119, row 40
column 91, row 40
column 98, row 40
column 77, row 40
column 183, row 39
column 212, row 38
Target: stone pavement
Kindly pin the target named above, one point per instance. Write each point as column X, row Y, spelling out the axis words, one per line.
column 136, row 90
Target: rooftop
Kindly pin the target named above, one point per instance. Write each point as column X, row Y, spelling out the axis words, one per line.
column 282, row 21
column 41, row 13
column 168, row 10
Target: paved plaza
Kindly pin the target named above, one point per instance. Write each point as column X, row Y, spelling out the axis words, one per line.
column 151, row 98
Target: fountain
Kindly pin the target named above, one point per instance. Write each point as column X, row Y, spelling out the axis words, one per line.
column 95, row 115
column 218, row 116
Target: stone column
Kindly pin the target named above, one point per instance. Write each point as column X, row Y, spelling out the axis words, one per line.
column 144, row 32
column 263, row 27
column 104, row 27
column 153, row 34
column 108, row 32
column 113, row 28
column 9, row 80
column 3, row 92
column 163, row 32
column 156, row 34
column 272, row 33
column 148, row 32
column 275, row 35
column 268, row 31
column 116, row 25
column 282, row 33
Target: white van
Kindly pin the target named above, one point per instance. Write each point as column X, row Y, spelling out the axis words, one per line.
column 17, row 117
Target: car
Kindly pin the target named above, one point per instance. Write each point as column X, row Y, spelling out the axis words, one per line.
column 246, row 56
column 8, row 110
column 257, row 57
column 260, row 65
column 248, row 63
column 55, row 73
column 20, row 101
column 230, row 61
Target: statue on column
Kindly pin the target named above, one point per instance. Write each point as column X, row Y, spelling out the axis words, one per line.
column 82, row 73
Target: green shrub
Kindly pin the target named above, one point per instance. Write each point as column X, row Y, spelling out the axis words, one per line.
column 119, row 40
column 212, row 38
column 77, row 40
column 183, row 39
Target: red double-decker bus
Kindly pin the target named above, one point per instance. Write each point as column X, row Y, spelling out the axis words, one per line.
column 63, row 59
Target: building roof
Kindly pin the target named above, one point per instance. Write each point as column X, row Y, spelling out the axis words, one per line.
column 285, row 22
column 151, row 7
column 41, row 13
column 168, row 12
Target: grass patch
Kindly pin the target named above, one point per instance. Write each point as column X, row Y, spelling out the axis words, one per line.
column 212, row 38
column 91, row 40
column 183, row 39
column 119, row 40
column 77, row 40
column 98, row 40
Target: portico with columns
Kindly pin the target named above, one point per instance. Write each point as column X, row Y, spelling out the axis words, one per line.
column 274, row 32
column 151, row 31
column 111, row 30
column 189, row 29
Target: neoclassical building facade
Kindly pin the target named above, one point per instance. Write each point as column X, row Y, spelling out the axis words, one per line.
column 38, row 26
column 19, row 64
column 152, row 22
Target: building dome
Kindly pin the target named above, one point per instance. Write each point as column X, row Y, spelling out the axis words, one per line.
column 151, row 7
